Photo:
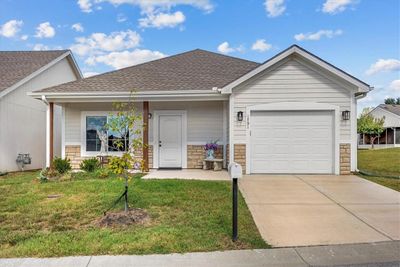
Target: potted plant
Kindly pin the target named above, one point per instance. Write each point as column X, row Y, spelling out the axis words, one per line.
column 210, row 149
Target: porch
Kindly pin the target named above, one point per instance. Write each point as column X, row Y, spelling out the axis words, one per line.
column 389, row 138
column 173, row 132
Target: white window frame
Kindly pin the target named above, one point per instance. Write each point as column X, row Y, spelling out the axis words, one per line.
column 85, row 153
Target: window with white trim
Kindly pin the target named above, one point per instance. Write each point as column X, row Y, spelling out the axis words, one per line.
column 117, row 141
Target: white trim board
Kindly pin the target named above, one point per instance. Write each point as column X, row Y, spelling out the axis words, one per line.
column 156, row 116
column 297, row 106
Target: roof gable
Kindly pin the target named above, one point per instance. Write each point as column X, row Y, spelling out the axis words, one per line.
column 304, row 54
column 391, row 108
column 16, row 65
column 190, row 71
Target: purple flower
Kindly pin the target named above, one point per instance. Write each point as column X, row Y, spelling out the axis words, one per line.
column 212, row 146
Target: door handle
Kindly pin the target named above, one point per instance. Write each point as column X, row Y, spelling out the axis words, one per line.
column 159, row 143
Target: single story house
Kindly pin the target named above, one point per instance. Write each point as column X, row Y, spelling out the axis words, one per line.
column 294, row 113
column 391, row 135
column 23, row 119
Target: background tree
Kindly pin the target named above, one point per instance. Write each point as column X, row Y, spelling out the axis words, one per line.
column 125, row 134
column 392, row 101
column 367, row 124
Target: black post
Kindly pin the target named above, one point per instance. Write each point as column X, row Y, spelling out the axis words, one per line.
column 234, row 209
column 126, row 193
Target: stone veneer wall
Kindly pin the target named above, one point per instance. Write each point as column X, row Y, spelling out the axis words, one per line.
column 74, row 154
column 240, row 155
column 345, row 158
column 196, row 155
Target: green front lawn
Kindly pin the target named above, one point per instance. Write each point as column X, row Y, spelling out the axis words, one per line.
column 381, row 162
column 185, row 216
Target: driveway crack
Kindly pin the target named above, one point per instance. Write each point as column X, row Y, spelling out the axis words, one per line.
column 349, row 211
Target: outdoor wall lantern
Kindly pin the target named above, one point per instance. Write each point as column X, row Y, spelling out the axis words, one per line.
column 150, row 116
column 240, row 116
column 346, row 115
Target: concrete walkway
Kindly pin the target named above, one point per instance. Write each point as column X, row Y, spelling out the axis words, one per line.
column 308, row 210
column 376, row 254
column 188, row 174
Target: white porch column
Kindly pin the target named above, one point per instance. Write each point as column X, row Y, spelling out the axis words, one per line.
column 231, row 122
column 48, row 136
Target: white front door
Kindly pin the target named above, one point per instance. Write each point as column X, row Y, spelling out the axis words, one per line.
column 170, row 141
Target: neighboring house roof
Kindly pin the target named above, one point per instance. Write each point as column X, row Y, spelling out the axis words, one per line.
column 395, row 109
column 192, row 70
column 17, row 65
column 390, row 112
column 297, row 50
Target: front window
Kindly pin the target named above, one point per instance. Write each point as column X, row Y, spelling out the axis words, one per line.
column 96, row 130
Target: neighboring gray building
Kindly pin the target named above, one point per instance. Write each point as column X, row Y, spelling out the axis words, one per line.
column 22, row 118
column 391, row 136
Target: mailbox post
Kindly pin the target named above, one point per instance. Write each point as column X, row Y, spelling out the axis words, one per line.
column 235, row 172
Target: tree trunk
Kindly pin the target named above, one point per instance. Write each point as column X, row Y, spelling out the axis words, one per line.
column 373, row 141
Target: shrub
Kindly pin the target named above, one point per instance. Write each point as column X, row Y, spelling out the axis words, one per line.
column 48, row 174
column 90, row 165
column 102, row 173
column 61, row 165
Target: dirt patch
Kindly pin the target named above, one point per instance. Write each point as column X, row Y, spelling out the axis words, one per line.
column 122, row 218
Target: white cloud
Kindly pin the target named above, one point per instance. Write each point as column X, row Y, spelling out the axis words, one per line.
column 40, row 47
column 125, row 58
column 261, row 45
column 11, row 28
column 225, row 48
column 275, row 8
column 121, row 18
column 100, row 42
column 317, row 35
column 336, row 6
column 395, row 85
column 24, row 37
column 45, row 30
column 90, row 73
column 149, row 5
column 77, row 27
column 85, row 5
column 162, row 20
column 384, row 65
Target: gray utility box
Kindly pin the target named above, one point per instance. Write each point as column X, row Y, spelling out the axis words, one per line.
column 235, row 170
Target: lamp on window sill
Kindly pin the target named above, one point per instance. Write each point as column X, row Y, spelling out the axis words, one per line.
column 346, row 115
column 240, row 116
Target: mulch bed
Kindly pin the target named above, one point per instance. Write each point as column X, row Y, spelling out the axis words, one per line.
column 122, row 218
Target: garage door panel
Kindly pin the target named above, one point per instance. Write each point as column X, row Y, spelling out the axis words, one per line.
column 291, row 142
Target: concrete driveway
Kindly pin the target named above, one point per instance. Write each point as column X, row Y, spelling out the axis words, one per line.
column 304, row 210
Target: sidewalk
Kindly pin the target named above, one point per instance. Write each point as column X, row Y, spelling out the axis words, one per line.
column 373, row 254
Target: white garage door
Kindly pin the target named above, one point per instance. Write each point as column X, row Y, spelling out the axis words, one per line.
column 291, row 142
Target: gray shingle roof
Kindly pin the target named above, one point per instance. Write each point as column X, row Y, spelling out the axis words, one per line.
column 192, row 70
column 395, row 109
column 16, row 65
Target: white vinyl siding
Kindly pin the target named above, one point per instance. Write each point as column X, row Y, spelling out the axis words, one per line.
column 23, row 119
column 292, row 80
column 204, row 119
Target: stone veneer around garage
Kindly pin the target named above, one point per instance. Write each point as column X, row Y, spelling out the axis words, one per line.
column 345, row 159
column 240, row 155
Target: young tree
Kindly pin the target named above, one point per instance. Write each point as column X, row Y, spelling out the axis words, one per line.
column 367, row 124
column 125, row 134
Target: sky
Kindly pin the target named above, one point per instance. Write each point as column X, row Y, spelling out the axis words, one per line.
column 362, row 37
